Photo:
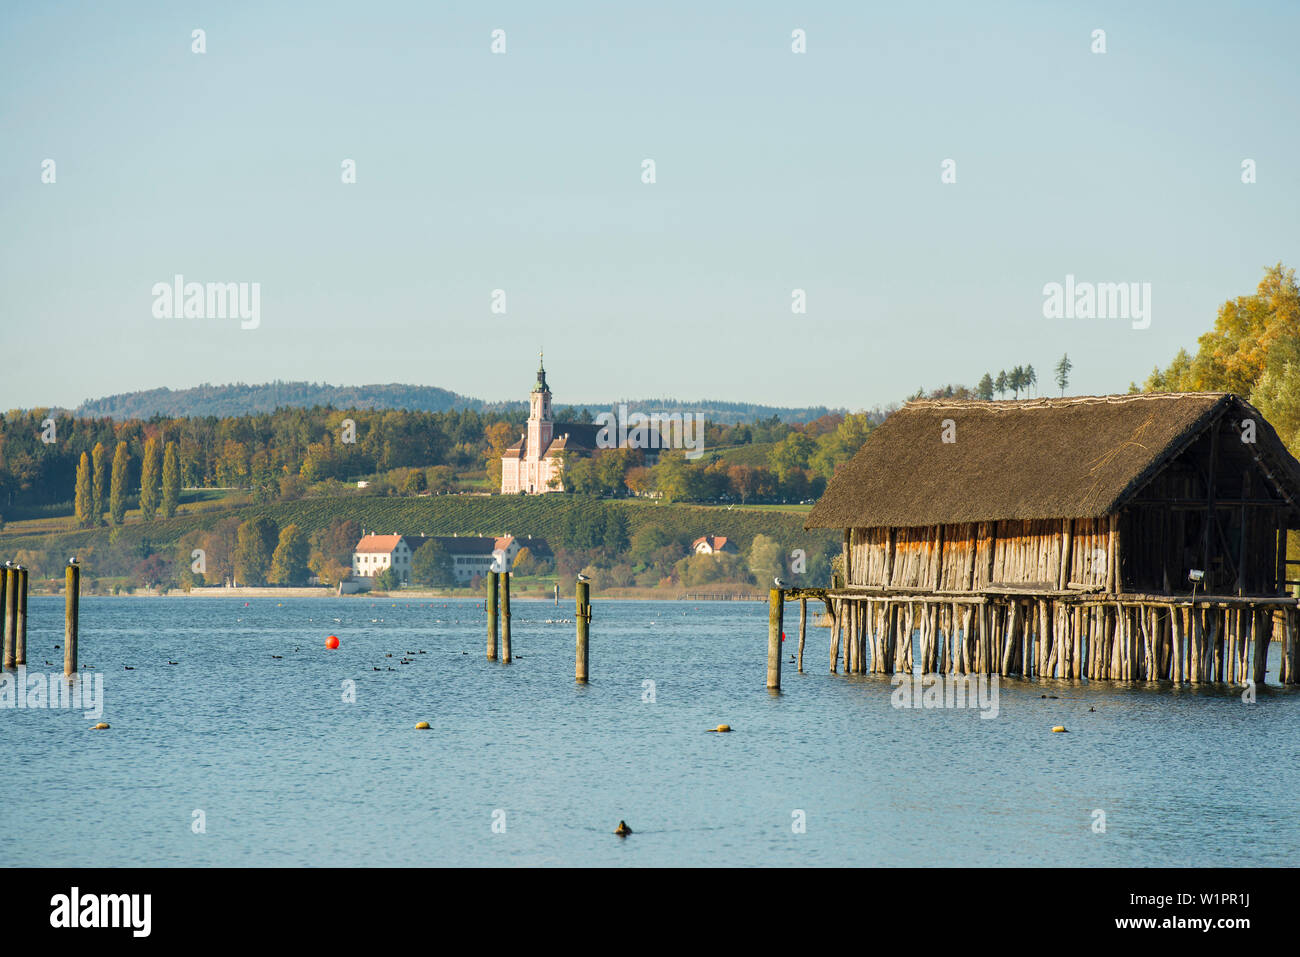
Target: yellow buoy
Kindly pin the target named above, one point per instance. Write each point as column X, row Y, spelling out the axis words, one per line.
column 1058, row 729
column 102, row 726
column 721, row 728
column 422, row 726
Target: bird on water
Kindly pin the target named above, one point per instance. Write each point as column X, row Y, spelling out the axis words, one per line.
column 622, row 830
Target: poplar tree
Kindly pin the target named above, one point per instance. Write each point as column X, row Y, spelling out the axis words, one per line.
column 85, row 500
column 99, row 482
column 149, row 480
column 171, row 481
column 117, row 486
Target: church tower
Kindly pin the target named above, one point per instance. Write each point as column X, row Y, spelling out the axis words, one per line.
column 540, row 424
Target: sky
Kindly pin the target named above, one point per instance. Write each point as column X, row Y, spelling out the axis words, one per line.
column 523, row 171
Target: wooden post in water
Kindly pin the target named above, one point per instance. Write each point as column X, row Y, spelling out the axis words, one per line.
column 8, row 591
column 505, row 617
column 1263, row 622
column 71, row 608
column 803, row 628
column 493, row 590
column 20, row 647
column 583, row 615
column 775, row 614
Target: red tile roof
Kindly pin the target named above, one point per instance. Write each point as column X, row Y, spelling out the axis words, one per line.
column 383, row 544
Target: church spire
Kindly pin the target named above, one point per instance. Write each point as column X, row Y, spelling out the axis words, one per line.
column 541, row 376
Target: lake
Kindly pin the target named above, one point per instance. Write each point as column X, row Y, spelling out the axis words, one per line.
column 521, row 766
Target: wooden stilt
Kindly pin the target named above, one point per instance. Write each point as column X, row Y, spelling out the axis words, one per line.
column 71, row 611
column 20, row 645
column 1263, row 623
column 505, row 617
column 493, row 596
column 775, row 615
column 837, row 619
column 10, row 614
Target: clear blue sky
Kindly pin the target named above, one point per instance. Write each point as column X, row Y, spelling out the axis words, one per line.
column 775, row 171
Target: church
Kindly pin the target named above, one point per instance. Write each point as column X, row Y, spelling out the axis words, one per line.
column 532, row 466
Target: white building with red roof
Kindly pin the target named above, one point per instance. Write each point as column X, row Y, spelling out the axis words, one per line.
column 713, row 545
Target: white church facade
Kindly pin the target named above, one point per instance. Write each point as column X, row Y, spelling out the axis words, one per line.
column 533, row 465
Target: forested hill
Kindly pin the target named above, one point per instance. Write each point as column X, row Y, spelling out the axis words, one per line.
column 240, row 399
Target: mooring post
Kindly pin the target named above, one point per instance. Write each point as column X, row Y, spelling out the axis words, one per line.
column 557, row 594
column 582, row 595
column 8, row 591
column 505, row 617
column 775, row 613
column 493, row 589
column 803, row 628
column 72, row 595
column 20, row 649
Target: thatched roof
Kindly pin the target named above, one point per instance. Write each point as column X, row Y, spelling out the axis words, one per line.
column 1033, row 459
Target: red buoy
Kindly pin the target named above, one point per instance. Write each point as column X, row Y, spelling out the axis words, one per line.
column 331, row 642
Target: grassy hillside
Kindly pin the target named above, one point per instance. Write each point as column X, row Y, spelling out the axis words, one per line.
column 548, row 516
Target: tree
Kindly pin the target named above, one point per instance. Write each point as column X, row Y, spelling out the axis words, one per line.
column 1031, row 377
column 85, row 498
column 766, row 558
column 416, row 482
column 332, row 547
column 792, row 452
column 117, row 490
column 1016, row 380
column 171, row 481
column 257, row 539
column 498, row 438
column 1001, row 384
column 432, row 565
column 99, row 466
column 985, row 388
column 388, row 580
column 149, row 475
column 289, row 562
column 1063, row 373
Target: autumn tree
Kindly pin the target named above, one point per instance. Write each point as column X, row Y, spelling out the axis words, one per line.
column 117, row 488
column 149, row 480
column 171, row 481
column 84, row 503
column 99, row 481
column 498, row 438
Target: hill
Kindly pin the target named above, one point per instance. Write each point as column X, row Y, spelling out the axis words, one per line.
column 241, row 399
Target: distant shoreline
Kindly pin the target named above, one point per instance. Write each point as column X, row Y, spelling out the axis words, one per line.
column 620, row 594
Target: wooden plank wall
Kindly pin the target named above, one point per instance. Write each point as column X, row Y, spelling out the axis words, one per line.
column 970, row 556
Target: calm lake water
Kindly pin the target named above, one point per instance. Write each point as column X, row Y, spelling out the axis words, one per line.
column 287, row 773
